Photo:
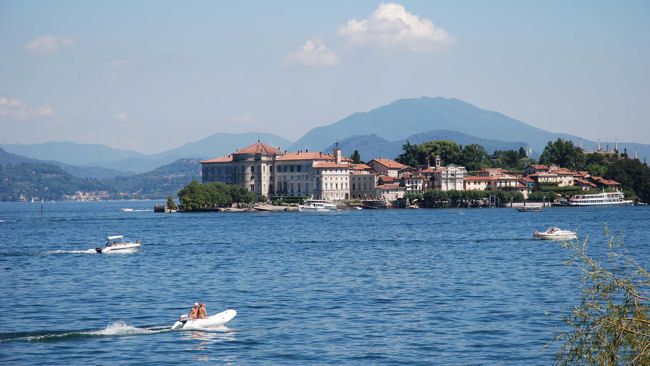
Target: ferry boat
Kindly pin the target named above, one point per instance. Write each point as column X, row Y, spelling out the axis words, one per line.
column 600, row 199
column 317, row 206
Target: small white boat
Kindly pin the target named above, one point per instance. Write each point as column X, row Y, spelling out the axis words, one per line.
column 184, row 322
column 116, row 244
column 317, row 206
column 127, row 210
column 554, row 233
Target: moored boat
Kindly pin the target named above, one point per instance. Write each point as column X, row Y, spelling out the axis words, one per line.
column 599, row 199
column 317, row 206
column 555, row 233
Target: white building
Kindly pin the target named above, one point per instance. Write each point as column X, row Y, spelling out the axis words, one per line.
column 267, row 171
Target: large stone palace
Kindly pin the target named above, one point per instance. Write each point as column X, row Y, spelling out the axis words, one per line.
column 267, row 171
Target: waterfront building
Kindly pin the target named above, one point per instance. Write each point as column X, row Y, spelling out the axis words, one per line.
column 412, row 183
column 363, row 182
column 476, row 183
column 490, row 172
column 584, row 184
column 444, row 178
column 267, row 171
column 250, row 167
column 606, row 183
column 536, row 168
column 389, row 192
column 387, row 167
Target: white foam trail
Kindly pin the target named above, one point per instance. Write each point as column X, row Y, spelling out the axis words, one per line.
column 120, row 327
column 58, row 251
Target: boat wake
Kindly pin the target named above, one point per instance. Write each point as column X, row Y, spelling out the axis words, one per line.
column 115, row 329
column 60, row 251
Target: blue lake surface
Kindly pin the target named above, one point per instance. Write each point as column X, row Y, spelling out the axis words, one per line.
column 466, row 286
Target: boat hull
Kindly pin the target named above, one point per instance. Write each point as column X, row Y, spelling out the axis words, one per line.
column 209, row 322
column 119, row 248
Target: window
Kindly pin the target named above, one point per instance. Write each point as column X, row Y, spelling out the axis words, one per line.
column 252, row 169
column 291, row 168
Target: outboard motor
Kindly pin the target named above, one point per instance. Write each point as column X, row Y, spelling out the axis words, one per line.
column 99, row 250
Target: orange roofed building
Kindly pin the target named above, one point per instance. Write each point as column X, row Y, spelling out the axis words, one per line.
column 267, row 171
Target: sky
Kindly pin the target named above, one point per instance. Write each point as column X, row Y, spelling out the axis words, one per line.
column 153, row 75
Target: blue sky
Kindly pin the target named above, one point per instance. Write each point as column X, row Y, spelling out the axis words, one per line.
column 153, row 75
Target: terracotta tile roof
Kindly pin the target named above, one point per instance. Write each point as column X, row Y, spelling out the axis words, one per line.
column 301, row 155
column 606, row 182
column 258, row 148
column 584, row 182
column 223, row 159
column 527, row 180
column 473, row 178
column 390, row 164
column 359, row 167
column 427, row 170
column 581, row 173
column 388, row 186
column 386, row 178
column 331, row 165
column 539, row 166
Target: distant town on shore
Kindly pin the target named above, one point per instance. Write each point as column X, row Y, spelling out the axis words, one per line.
column 423, row 170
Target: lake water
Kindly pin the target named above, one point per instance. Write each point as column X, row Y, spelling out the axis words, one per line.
column 465, row 286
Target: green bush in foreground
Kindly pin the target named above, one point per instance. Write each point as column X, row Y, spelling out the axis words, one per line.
column 610, row 326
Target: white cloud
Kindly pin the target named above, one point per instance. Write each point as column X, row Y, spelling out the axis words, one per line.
column 14, row 108
column 391, row 26
column 49, row 44
column 121, row 116
column 312, row 53
column 243, row 118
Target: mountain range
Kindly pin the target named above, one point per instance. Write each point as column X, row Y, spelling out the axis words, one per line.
column 378, row 132
column 99, row 161
column 373, row 146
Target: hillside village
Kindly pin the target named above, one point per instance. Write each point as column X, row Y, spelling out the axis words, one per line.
column 269, row 172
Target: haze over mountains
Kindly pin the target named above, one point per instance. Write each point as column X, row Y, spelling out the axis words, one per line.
column 379, row 132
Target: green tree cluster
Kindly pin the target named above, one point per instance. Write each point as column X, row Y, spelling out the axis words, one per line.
column 473, row 156
column 562, row 153
column 356, row 157
column 197, row 196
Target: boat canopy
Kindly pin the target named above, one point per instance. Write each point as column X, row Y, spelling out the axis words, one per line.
column 115, row 237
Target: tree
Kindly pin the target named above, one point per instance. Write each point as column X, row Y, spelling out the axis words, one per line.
column 449, row 152
column 562, row 153
column 409, row 156
column 611, row 325
column 170, row 203
column 356, row 157
column 522, row 153
column 474, row 157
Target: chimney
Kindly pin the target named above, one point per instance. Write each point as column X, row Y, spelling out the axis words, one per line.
column 616, row 145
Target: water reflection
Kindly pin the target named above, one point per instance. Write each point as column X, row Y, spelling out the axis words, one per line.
column 204, row 338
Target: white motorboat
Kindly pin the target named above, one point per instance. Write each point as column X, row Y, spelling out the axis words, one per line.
column 554, row 233
column 184, row 322
column 116, row 244
column 127, row 209
column 317, row 206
